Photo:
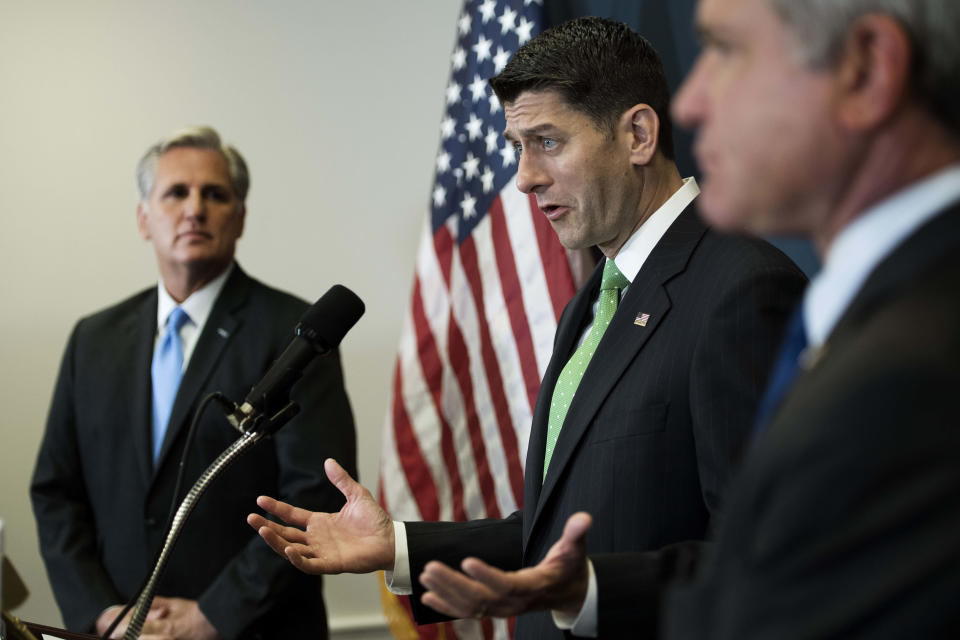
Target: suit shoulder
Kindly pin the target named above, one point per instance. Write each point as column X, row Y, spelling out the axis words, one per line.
column 109, row 318
column 744, row 256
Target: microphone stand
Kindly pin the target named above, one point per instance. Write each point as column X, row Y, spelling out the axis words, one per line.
column 253, row 434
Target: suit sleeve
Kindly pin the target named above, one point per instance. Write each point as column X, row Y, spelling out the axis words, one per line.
column 496, row 542
column 257, row 579
column 737, row 342
column 65, row 521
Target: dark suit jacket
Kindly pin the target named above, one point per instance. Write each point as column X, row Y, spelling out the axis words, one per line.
column 660, row 414
column 846, row 519
column 101, row 506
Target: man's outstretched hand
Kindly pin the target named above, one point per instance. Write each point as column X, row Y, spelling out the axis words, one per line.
column 558, row 582
column 357, row 539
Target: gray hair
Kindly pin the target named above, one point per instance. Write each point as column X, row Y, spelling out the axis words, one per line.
column 933, row 26
column 195, row 138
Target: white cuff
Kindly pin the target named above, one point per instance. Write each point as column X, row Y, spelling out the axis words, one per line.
column 398, row 581
column 584, row 624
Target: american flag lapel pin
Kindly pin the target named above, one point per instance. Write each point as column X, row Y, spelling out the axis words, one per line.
column 641, row 319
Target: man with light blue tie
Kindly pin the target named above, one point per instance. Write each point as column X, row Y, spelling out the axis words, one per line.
column 131, row 380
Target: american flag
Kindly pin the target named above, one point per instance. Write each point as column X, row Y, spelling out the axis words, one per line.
column 491, row 280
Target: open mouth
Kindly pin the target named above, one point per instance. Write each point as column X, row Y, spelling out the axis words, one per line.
column 553, row 211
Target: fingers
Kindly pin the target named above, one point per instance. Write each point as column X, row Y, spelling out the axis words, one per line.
column 286, row 512
column 350, row 489
column 452, row 593
column 575, row 530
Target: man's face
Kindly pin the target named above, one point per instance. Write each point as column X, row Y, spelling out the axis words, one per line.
column 192, row 216
column 582, row 178
column 767, row 142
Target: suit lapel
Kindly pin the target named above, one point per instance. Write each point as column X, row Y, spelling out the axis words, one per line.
column 933, row 242
column 575, row 318
column 621, row 343
column 139, row 339
column 220, row 328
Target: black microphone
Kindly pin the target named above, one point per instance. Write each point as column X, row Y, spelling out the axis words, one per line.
column 319, row 332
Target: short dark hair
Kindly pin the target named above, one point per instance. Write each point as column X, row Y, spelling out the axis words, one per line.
column 600, row 67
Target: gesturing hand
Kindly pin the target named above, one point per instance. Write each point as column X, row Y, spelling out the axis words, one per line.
column 357, row 539
column 558, row 582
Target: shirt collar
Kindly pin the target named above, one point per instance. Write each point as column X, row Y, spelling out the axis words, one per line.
column 866, row 241
column 198, row 305
column 638, row 247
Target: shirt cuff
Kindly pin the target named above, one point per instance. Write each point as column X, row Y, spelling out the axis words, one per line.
column 584, row 624
column 399, row 581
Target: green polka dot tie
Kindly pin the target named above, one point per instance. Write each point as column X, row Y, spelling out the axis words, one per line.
column 610, row 286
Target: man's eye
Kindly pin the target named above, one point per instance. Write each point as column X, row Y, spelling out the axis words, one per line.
column 518, row 148
column 549, row 144
column 177, row 191
column 217, row 194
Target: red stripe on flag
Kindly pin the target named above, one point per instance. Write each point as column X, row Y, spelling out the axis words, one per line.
column 508, row 434
column 443, row 248
column 556, row 265
column 513, row 297
column 460, row 362
column 459, row 359
column 432, row 368
column 411, row 459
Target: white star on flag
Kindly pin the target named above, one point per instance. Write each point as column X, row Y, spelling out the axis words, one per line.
column 501, row 59
column 439, row 196
column 459, row 59
column 507, row 20
column 488, row 10
column 523, row 30
column 477, row 88
column 508, row 153
column 474, row 127
column 468, row 204
column 471, row 166
column 482, row 48
column 453, row 93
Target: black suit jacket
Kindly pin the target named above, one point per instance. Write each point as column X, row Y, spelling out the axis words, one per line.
column 101, row 505
column 660, row 414
column 846, row 519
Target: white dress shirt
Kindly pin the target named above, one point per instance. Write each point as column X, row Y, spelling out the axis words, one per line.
column 629, row 260
column 865, row 242
column 197, row 306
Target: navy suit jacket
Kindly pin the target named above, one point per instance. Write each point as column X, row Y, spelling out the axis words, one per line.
column 659, row 417
column 845, row 521
column 101, row 503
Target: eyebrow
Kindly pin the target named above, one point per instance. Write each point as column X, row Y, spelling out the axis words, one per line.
column 540, row 129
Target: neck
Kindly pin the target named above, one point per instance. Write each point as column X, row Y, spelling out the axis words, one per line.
column 660, row 180
column 909, row 150
column 182, row 282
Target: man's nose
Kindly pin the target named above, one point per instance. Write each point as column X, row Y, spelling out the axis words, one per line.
column 531, row 175
column 689, row 101
column 195, row 205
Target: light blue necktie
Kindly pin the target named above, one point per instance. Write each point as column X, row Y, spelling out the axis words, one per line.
column 166, row 371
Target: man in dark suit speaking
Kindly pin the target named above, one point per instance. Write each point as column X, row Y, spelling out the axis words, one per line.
column 131, row 379
column 658, row 360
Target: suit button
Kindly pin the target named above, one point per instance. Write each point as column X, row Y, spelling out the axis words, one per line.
column 151, row 521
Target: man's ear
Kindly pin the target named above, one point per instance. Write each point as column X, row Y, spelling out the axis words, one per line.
column 242, row 212
column 872, row 72
column 643, row 128
column 142, row 221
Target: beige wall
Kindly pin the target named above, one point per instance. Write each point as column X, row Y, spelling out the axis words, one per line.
column 336, row 106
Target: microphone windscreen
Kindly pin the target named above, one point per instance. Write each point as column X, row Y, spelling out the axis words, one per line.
column 330, row 317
